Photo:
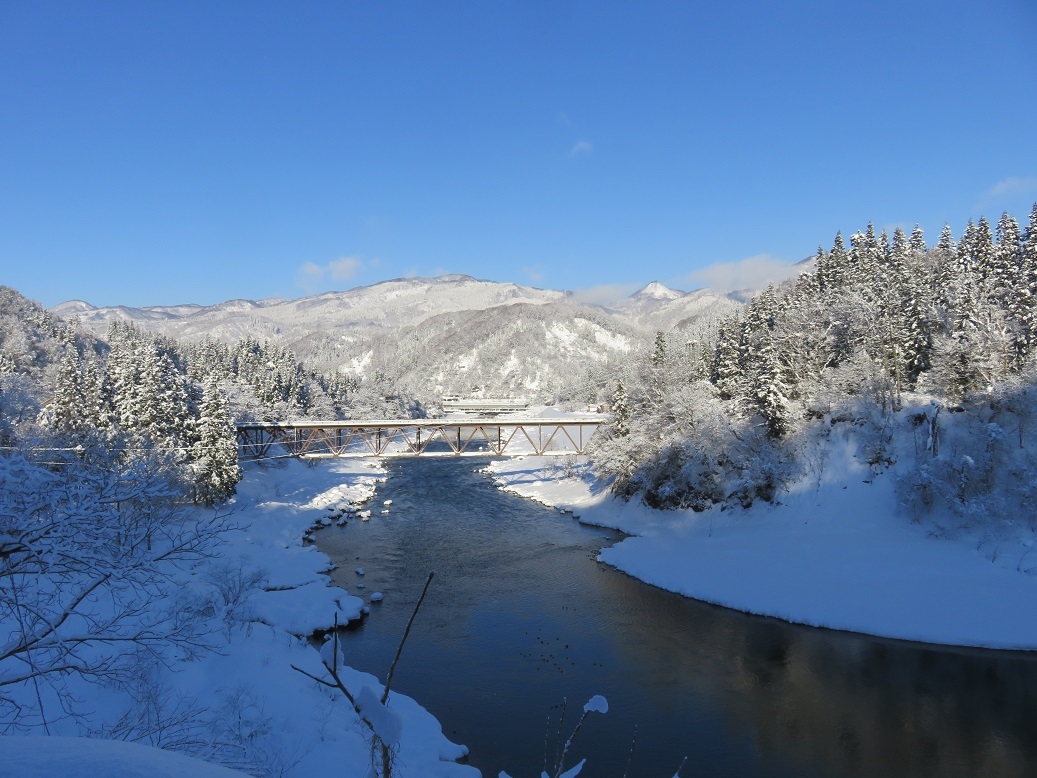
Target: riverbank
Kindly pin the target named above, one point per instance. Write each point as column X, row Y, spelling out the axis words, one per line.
column 314, row 728
column 831, row 552
column 242, row 704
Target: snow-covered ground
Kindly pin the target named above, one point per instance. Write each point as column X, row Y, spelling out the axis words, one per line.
column 282, row 722
column 38, row 756
column 831, row 552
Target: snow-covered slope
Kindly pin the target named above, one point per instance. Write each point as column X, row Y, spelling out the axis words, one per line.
column 657, row 307
column 450, row 334
column 508, row 350
column 400, row 302
column 836, row 550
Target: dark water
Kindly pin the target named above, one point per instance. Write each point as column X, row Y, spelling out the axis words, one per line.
column 520, row 616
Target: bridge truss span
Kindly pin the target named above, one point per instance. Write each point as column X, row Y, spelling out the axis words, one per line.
column 417, row 437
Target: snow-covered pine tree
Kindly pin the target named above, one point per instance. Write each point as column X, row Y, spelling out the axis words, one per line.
column 1024, row 297
column 945, row 269
column 961, row 371
column 917, row 241
column 837, row 271
column 1006, row 257
column 620, row 411
column 768, row 392
column 726, row 373
column 918, row 328
column 160, row 401
column 899, row 246
column 215, row 452
column 983, row 255
column 966, row 263
column 810, row 282
column 74, row 408
column 659, row 350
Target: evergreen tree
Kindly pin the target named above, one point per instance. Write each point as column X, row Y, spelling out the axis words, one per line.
column 899, row 246
column 215, row 452
column 726, row 373
column 620, row 411
column 1006, row 260
column 946, row 268
column 966, row 264
column 74, row 407
column 918, row 335
column 659, row 350
column 917, row 242
column 1023, row 306
column 836, row 270
column 946, row 242
column 769, row 394
column 896, row 259
column 983, row 252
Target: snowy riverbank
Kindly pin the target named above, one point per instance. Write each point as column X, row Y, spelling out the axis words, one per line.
column 832, row 552
column 276, row 721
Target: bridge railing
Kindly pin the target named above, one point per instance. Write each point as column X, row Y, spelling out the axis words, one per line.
column 411, row 437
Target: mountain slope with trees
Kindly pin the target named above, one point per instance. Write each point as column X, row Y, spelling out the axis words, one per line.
column 882, row 324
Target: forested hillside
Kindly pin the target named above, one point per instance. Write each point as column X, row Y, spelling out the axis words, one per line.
column 888, row 336
column 423, row 338
column 136, row 391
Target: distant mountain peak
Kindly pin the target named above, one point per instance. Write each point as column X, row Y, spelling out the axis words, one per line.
column 657, row 291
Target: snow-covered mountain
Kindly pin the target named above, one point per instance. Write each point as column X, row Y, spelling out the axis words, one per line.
column 395, row 303
column 517, row 349
column 657, row 307
column 434, row 336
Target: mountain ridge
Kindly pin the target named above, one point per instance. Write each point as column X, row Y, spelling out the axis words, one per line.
column 447, row 333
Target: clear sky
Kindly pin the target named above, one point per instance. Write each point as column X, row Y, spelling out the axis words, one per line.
column 160, row 153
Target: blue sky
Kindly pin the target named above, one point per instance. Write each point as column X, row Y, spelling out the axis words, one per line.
column 160, row 153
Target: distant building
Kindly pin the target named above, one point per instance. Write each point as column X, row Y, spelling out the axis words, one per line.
column 484, row 406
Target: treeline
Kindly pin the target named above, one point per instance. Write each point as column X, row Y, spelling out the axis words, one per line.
column 722, row 420
column 145, row 395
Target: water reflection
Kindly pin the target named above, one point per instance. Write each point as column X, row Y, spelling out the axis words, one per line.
column 520, row 615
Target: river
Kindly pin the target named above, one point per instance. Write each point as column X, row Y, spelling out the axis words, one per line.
column 520, row 616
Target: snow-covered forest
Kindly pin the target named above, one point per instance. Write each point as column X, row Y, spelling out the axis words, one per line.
column 118, row 451
column 867, row 330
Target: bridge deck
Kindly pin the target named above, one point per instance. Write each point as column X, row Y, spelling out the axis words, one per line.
column 418, row 437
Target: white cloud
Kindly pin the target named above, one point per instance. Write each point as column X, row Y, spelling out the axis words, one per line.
column 535, row 273
column 311, row 276
column 1008, row 188
column 750, row 273
column 343, row 268
column 581, row 147
column 605, row 294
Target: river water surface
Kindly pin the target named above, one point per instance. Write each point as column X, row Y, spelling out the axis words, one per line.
column 519, row 617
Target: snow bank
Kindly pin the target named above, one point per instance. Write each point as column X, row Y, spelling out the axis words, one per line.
column 833, row 553
column 243, row 703
column 45, row 757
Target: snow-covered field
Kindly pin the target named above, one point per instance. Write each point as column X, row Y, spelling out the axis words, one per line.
column 832, row 552
column 284, row 723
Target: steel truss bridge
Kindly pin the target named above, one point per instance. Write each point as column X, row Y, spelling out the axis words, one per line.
column 417, row 437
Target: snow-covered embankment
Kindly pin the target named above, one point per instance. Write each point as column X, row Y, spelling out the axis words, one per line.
column 833, row 551
column 242, row 704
